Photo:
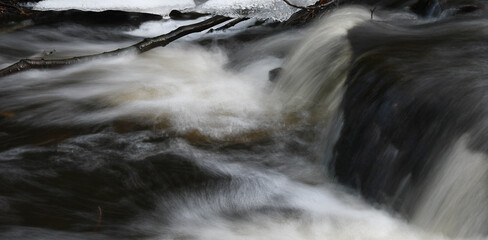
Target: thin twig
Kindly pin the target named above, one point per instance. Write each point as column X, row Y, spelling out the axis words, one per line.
column 309, row 8
column 372, row 12
column 100, row 215
column 231, row 24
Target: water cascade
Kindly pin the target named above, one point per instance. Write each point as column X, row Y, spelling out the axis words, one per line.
column 374, row 128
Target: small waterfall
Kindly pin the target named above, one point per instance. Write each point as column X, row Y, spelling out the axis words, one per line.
column 313, row 76
column 395, row 96
column 315, row 73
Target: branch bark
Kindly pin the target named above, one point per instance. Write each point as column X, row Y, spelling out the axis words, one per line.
column 309, row 8
column 140, row 47
column 231, row 24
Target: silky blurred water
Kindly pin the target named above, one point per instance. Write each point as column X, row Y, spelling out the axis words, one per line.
column 192, row 141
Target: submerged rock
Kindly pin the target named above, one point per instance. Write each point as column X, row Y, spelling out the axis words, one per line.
column 274, row 74
column 412, row 93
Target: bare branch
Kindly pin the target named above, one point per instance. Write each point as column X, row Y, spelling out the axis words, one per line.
column 372, row 12
column 231, row 24
column 143, row 46
column 100, row 215
column 309, row 8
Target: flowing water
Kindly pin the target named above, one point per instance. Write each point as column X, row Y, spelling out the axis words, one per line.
column 374, row 129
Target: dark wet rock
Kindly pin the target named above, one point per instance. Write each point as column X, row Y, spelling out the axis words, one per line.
column 11, row 12
column 177, row 15
column 425, row 8
column 105, row 18
column 433, row 8
column 411, row 93
column 111, row 18
column 274, row 74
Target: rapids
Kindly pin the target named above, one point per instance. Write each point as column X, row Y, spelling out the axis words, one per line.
column 373, row 129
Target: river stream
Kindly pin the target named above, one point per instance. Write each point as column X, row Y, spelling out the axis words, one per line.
column 193, row 140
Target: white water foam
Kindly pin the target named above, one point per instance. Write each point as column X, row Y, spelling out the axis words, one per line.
column 276, row 208
column 182, row 87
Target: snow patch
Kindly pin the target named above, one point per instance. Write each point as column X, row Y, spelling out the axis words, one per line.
column 149, row 6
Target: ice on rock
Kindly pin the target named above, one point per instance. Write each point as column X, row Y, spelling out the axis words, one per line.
column 264, row 9
column 150, row 6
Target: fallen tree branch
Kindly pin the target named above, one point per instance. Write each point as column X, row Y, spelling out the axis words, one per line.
column 309, row 8
column 140, row 47
column 231, row 24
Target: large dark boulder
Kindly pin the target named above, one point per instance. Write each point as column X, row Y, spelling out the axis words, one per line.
column 411, row 93
column 13, row 13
